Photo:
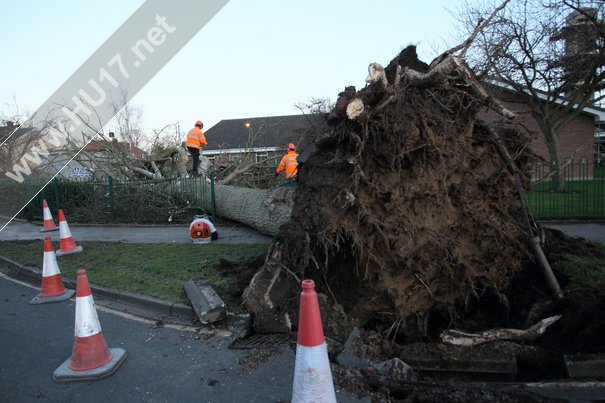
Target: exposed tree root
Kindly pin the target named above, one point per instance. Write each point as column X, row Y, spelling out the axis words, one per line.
column 405, row 210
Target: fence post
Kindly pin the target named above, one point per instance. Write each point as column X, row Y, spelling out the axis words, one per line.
column 212, row 197
column 112, row 209
column 57, row 193
column 30, row 205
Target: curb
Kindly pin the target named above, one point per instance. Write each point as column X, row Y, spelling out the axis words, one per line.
column 571, row 221
column 26, row 273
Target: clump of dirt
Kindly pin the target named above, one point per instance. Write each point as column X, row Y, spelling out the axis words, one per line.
column 405, row 211
column 240, row 272
column 580, row 266
column 410, row 223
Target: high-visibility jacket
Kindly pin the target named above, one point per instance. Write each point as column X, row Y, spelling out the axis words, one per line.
column 196, row 138
column 289, row 164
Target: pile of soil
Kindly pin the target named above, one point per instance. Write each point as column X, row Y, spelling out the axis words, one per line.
column 410, row 223
column 404, row 212
column 579, row 330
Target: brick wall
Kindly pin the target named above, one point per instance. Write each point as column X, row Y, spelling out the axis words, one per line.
column 576, row 141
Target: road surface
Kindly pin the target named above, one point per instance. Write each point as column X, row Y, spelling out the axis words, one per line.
column 164, row 364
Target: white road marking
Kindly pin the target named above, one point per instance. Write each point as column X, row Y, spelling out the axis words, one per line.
column 125, row 315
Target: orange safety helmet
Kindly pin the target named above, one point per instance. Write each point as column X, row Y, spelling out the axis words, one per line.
column 291, row 147
column 199, row 229
column 199, row 123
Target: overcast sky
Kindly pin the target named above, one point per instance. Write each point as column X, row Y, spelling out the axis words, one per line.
column 255, row 58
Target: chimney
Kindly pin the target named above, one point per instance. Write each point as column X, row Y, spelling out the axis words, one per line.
column 579, row 33
column 580, row 46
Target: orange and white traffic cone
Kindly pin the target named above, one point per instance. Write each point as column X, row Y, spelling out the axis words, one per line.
column 49, row 223
column 67, row 243
column 91, row 359
column 52, row 289
column 312, row 373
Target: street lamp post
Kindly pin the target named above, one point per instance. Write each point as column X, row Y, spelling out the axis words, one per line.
column 248, row 126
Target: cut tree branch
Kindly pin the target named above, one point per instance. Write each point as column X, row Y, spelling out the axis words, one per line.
column 459, row 338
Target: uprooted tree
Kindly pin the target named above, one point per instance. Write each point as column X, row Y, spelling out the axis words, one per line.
column 405, row 207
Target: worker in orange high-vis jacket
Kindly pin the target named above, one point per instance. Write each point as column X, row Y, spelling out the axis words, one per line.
column 289, row 164
column 195, row 141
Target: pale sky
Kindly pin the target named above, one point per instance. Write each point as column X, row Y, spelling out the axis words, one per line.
column 254, row 58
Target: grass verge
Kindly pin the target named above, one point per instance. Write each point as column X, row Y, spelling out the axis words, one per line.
column 582, row 199
column 155, row 270
column 586, row 273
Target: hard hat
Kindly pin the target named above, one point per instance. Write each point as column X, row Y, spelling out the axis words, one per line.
column 199, row 123
column 291, row 146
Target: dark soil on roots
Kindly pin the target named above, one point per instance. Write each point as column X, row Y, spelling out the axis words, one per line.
column 407, row 211
column 410, row 224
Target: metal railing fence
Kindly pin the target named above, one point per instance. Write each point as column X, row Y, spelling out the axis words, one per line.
column 109, row 200
column 581, row 197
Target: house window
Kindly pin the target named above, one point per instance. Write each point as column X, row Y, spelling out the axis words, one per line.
column 261, row 156
column 235, row 158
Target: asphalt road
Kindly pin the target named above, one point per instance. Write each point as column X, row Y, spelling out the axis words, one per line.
column 163, row 365
column 594, row 232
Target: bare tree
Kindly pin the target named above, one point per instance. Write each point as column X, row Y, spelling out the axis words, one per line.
column 17, row 136
column 549, row 53
column 315, row 106
column 127, row 121
column 247, row 160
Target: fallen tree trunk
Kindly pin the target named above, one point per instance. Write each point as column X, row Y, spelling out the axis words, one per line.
column 262, row 209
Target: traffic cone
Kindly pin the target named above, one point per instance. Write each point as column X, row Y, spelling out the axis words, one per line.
column 49, row 223
column 91, row 359
column 67, row 244
column 312, row 373
column 52, row 289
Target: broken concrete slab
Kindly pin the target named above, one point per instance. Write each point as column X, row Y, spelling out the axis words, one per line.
column 396, row 370
column 206, row 303
column 492, row 369
column 487, row 361
column 349, row 356
column 585, row 365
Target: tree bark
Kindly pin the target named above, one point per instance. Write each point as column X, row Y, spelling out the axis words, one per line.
column 554, row 152
column 262, row 209
column 458, row 338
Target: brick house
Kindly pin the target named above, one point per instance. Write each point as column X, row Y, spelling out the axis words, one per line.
column 259, row 138
column 578, row 140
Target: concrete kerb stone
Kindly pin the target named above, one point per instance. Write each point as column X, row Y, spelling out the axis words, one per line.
column 585, row 365
column 31, row 275
column 206, row 303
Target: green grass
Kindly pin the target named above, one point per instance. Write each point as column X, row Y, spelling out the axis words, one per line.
column 582, row 199
column 586, row 273
column 155, row 270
